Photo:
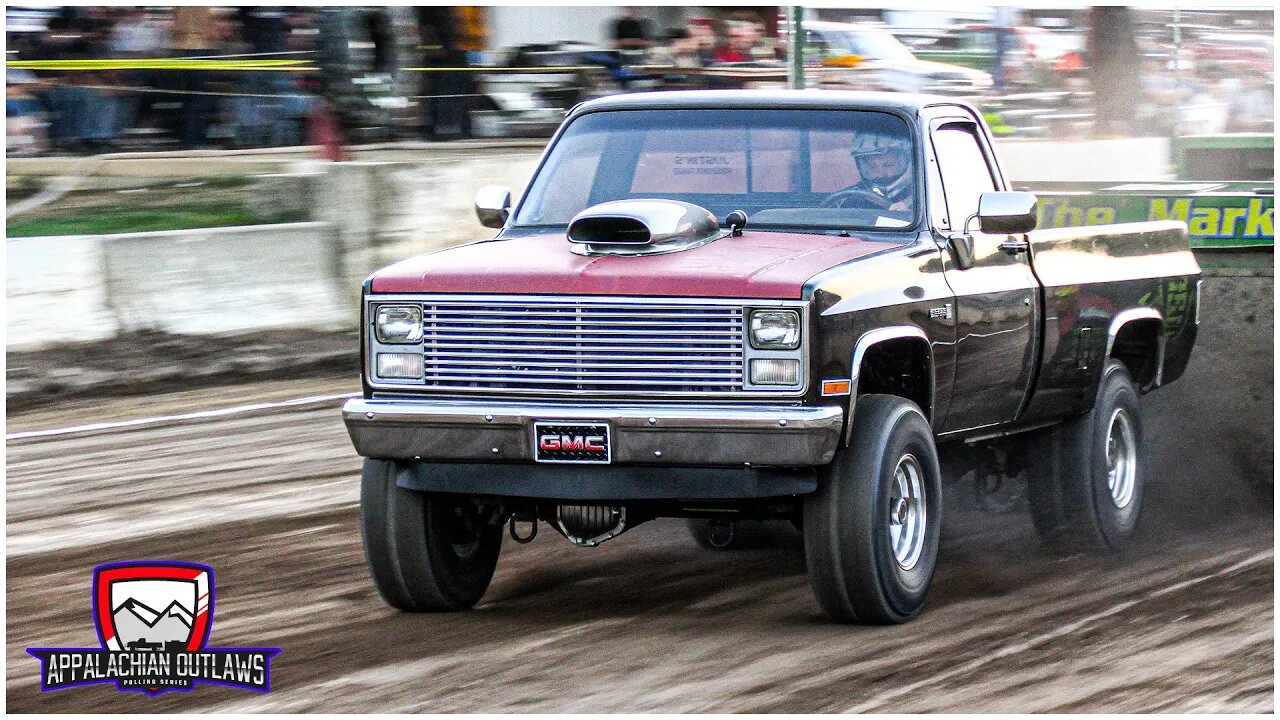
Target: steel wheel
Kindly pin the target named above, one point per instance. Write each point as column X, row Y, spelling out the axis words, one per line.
column 1122, row 458
column 907, row 513
column 1088, row 480
column 871, row 528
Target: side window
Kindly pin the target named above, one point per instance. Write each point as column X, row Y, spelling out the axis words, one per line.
column 963, row 168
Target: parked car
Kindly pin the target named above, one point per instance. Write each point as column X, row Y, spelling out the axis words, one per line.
column 746, row 305
column 892, row 64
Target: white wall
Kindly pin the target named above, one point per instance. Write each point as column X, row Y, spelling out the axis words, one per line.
column 521, row 24
column 1118, row 160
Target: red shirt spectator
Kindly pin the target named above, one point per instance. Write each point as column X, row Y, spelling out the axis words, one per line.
column 738, row 48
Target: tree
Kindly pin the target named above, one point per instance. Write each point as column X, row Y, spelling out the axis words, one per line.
column 1114, row 66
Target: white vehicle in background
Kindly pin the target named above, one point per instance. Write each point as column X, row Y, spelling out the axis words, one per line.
column 888, row 61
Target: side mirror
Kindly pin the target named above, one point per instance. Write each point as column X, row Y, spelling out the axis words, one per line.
column 493, row 205
column 1007, row 212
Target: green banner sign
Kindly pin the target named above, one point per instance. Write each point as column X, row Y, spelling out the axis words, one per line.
column 1214, row 220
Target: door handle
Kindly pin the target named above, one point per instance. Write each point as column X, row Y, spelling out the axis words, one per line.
column 1013, row 247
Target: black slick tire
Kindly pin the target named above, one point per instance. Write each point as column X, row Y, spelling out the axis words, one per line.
column 426, row 553
column 853, row 557
column 1070, row 477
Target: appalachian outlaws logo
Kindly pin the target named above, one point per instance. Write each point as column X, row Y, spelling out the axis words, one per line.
column 153, row 619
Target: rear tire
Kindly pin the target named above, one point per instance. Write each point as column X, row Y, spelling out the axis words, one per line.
column 1087, row 476
column 871, row 530
column 426, row 552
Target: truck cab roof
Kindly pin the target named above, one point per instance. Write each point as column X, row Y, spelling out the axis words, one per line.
column 906, row 103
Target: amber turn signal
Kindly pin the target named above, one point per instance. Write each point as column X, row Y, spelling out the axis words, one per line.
column 835, row 387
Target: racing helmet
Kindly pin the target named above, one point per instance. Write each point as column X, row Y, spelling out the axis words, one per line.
column 869, row 144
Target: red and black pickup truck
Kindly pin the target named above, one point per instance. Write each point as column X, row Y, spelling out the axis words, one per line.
column 761, row 305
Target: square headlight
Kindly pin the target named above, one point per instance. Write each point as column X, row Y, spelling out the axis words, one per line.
column 775, row 329
column 398, row 324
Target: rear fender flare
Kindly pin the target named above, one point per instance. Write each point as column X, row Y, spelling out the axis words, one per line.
column 1125, row 317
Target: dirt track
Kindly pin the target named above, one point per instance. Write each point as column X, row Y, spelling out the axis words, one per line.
column 648, row 622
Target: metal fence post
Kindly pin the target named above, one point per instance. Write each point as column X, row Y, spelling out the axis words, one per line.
column 795, row 49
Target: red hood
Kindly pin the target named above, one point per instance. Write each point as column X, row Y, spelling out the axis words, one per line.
column 754, row 265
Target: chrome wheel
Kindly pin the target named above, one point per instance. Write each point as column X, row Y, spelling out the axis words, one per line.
column 1122, row 458
column 907, row 512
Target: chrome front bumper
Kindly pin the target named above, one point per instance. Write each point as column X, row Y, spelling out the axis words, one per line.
column 688, row 435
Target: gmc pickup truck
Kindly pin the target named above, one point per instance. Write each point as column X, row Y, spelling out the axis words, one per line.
column 742, row 306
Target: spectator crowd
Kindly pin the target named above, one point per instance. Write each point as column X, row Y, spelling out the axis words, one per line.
column 96, row 109
column 93, row 109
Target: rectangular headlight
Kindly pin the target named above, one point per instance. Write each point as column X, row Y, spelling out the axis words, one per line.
column 775, row 329
column 771, row 371
column 399, row 365
column 398, row 324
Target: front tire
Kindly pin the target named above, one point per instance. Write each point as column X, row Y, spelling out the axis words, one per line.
column 1088, row 474
column 871, row 530
column 426, row 552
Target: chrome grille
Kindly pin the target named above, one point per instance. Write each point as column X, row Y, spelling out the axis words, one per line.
column 576, row 344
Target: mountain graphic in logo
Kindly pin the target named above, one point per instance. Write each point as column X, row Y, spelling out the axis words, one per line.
column 148, row 650
column 141, row 628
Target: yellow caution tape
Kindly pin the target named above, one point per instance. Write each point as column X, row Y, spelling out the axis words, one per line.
column 216, row 65
column 546, row 69
column 239, row 65
column 118, row 89
column 159, row 64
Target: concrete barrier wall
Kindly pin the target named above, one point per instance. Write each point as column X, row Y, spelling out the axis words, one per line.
column 219, row 280
column 55, row 291
column 432, row 205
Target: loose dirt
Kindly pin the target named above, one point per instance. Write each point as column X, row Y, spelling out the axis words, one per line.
column 647, row 622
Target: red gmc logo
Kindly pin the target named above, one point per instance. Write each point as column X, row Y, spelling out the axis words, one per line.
column 592, row 443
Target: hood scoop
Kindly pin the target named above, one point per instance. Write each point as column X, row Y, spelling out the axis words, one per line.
column 642, row 227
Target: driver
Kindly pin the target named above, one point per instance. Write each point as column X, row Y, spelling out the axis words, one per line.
column 884, row 164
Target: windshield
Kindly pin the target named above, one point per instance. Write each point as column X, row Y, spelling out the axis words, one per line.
column 833, row 169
